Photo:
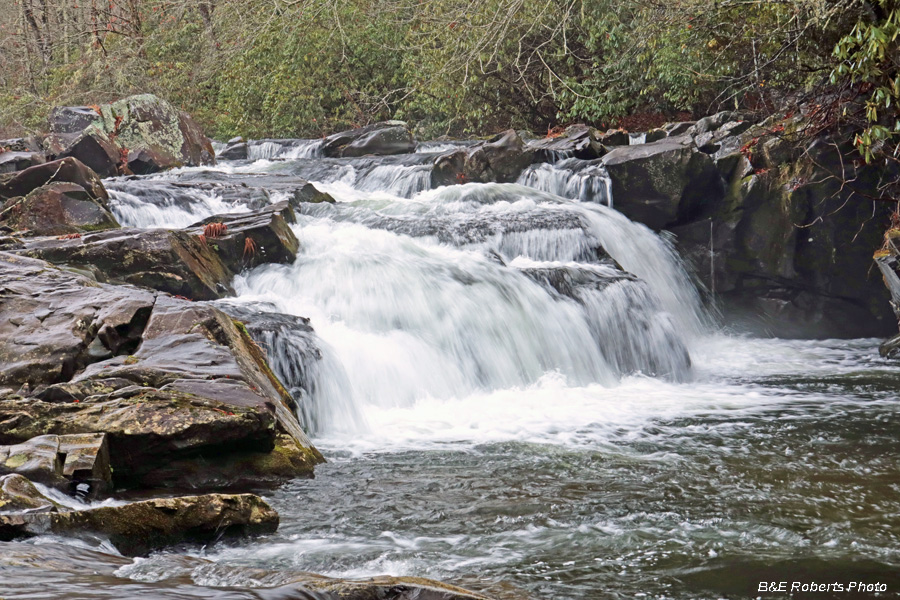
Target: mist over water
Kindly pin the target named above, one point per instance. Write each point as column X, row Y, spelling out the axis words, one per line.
column 515, row 383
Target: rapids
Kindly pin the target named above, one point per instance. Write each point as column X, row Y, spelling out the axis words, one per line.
column 519, row 390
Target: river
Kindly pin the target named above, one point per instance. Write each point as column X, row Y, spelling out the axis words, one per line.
column 487, row 425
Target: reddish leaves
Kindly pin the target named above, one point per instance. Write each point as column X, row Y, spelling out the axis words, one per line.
column 215, row 230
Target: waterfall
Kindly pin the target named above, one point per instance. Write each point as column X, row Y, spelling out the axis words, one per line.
column 584, row 180
column 415, row 294
column 286, row 149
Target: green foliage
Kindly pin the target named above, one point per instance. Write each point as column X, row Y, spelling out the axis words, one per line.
column 273, row 68
column 868, row 58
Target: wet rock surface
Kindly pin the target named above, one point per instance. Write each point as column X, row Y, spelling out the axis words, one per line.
column 59, row 208
column 165, row 379
column 140, row 527
column 197, row 263
column 388, row 137
column 79, row 570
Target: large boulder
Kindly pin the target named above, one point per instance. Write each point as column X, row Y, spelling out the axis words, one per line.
column 59, row 208
column 150, row 133
column 197, row 263
column 500, row 159
column 68, row 170
column 577, row 141
column 92, row 146
column 385, row 138
column 166, row 379
column 141, row 527
column 662, row 183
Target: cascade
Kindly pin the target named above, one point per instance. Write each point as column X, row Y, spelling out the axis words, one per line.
column 419, row 294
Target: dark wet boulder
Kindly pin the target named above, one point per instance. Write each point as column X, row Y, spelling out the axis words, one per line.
column 19, row 495
column 171, row 261
column 140, row 527
column 615, row 137
column 92, row 147
column 388, row 137
column 59, row 208
column 663, row 183
column 11, row 161
column 251, row 238
column 149, row 132
column 235, row 149
column 310, row 193
column 66, row 170
column 577, row 141
column 500, row 159
column 654, row 135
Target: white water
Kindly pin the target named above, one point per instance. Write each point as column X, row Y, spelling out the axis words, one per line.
column 439, row 303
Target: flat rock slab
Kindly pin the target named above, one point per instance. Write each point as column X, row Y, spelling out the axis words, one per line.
column 197, row 263
column 141, row 527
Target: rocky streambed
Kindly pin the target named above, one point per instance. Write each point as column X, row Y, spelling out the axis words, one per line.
column 468, row 329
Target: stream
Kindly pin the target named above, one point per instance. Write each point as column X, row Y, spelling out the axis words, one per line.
column 521, row 392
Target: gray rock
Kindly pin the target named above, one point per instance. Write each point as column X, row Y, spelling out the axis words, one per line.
column 152, row 133
column 11, row 161
column 661, row 183
column 385, row 138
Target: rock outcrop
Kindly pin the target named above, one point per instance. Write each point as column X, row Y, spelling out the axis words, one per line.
column 198, row 262
column 165, row 379
column 139, row 134
column 778, row 225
